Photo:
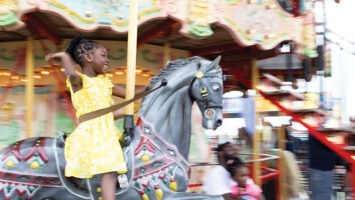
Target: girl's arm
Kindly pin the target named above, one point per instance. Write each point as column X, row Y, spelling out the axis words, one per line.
column 67, row 62
column 69, row 65
column 121, row 91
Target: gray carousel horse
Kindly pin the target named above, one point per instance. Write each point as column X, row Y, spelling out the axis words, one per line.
column 33, row 168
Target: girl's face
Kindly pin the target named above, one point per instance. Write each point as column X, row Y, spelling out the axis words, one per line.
column 100, row 61
column 230, row 150
column 241, row 175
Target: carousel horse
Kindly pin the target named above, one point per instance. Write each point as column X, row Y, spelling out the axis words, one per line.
column 33, row 168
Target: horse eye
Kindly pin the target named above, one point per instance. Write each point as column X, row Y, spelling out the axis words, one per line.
column 215, row 87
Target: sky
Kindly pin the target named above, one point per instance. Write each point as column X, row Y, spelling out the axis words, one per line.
column 339, row 18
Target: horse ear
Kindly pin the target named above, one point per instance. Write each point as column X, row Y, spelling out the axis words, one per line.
column 217, row 60
column 214, row 64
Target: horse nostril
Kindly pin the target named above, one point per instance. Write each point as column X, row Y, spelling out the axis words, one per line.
column 219, row 123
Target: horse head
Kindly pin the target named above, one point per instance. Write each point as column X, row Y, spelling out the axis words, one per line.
column 206, row 90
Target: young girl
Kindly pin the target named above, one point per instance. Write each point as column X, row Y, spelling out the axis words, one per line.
column 244, row 190
column 93, row 148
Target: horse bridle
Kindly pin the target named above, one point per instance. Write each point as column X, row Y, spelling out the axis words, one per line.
column 203, row 89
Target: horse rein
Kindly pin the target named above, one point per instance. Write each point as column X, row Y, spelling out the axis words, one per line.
column 103, row 111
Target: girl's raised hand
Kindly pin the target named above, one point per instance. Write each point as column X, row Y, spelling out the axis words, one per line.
column 54, row 58
column 62, row 59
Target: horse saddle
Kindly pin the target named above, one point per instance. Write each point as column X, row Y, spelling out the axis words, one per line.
column 90, row 188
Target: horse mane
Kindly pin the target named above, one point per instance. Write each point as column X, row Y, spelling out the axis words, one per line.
column 169, row 69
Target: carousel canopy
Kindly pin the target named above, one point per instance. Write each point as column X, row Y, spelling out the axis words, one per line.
column 195, row 25
column 236, row 29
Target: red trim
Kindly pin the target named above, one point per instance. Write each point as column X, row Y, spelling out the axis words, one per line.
column 20, row 193
column 217, row 49
column 37, row 146
column 296, row 7
column 159, row 29
column 195, row 185
column 268, row 174
column 38, row 28
column 144, row 143
column 15, row 149
column 29, row 179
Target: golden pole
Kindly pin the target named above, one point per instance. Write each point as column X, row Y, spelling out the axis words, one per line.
column 282, row 176
column 166, row 53
column 258, row 130
column 29, row 87
column 131, row 54
column 254, row 73
column 281, row 132
column 281, row 137
column 256, row 155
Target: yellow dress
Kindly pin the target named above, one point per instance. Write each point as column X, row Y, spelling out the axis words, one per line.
column 93, row 147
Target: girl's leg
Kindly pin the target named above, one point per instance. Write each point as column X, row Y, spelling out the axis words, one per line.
column 108, row 185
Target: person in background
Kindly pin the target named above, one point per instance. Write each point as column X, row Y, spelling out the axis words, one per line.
column 218, row 180
column 322, row 162
column 243, row 190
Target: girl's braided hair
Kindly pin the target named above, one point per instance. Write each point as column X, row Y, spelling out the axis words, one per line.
column 78, row 46
column 234, row 163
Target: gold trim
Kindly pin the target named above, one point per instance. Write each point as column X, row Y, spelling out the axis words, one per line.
column 199, row 74
column 72, row 12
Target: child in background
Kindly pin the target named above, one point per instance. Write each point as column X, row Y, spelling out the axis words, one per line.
column 243, row 190
column 217, row 180
column 93, row 148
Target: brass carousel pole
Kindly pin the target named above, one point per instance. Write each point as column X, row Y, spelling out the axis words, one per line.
column 29, row 87
column 167, row 53
column 131, row 66
column 281, row 143
column 257, row 134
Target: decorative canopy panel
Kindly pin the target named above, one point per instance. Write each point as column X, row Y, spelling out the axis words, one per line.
column 91, row 14
column 249, row 22
column 8, row 18
column 264, row 24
